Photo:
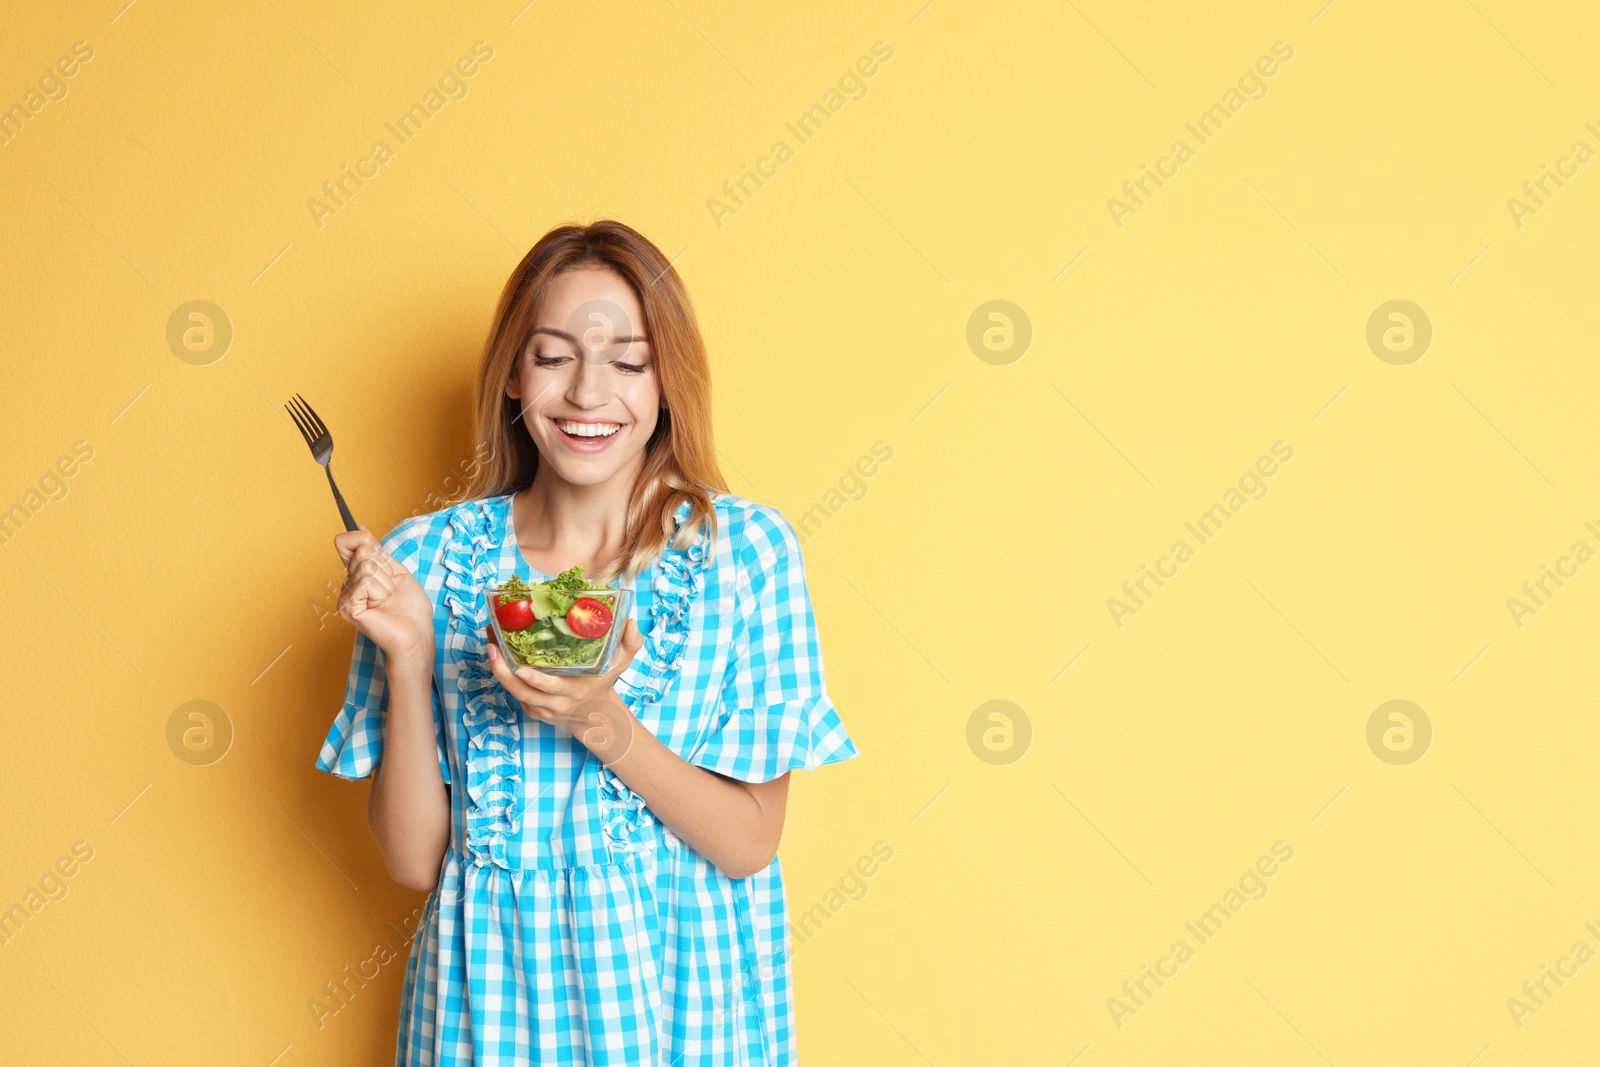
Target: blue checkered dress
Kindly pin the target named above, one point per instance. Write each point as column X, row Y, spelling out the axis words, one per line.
column 570, row 925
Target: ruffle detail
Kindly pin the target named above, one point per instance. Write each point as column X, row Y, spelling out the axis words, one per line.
column 492, row 719
column 625, row 821
column 680, row 578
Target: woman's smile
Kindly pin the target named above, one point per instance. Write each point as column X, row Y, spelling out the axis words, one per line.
column 587, row 435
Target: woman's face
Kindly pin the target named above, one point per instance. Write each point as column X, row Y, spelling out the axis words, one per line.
column 587, row 379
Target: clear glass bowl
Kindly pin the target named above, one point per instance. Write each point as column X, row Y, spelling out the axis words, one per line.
column 597, row 660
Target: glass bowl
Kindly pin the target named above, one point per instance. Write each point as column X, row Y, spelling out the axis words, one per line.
column 595, row 655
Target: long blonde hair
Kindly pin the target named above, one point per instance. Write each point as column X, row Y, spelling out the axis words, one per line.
column 680, row 458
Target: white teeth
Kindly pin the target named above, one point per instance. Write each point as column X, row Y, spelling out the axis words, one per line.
column 588, row 429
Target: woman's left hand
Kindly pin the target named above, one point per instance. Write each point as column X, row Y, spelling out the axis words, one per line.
column 586, row 705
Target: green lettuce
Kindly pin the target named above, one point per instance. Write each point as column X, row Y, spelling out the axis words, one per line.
column 542, row 645
column 567, row 586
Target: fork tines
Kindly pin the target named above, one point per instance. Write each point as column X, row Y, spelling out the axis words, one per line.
column 312, row 428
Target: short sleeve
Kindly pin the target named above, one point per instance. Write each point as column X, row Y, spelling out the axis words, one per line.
column 354, row 745
column 779, row 715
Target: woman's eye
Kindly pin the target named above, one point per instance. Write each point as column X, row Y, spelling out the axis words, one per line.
column 559, row 360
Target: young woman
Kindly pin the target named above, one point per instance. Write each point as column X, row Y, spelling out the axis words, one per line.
column 600, row 851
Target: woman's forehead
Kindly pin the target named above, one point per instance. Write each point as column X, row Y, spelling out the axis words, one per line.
column 590, row 307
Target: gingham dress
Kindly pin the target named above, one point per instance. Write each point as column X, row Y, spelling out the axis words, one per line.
column 569, row 925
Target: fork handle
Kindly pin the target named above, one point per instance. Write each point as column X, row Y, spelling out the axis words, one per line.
column 344, row 509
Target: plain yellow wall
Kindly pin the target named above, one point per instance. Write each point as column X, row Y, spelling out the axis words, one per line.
column 1175, row 341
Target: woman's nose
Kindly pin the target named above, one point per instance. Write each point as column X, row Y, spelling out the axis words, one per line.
column 588, row 388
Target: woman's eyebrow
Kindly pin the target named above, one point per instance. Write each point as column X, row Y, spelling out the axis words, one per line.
column 565, row 336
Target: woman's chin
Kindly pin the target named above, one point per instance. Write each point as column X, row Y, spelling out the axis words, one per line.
column 577, row 469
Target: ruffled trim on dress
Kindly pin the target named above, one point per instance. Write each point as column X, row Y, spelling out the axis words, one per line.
column 680, row 578
column 625, row 821
column 492, row 719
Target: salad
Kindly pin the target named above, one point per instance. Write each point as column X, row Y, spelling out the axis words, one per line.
column 563, row 622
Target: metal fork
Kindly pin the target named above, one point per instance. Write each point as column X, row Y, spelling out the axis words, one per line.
column 320, row 442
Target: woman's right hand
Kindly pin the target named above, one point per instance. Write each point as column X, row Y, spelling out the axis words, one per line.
column 383, row 599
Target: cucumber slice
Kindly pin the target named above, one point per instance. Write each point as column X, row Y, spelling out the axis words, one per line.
column 543, row 606
column 560, row 623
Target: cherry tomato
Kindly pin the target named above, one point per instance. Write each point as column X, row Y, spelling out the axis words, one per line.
column 517, row 615
column 588, row 617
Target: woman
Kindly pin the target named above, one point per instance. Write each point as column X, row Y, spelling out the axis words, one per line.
column 600, row 851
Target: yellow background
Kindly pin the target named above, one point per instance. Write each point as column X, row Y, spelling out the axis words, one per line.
column 188, row 558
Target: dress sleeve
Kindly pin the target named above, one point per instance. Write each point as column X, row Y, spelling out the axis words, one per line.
column 354, row 745
column 779, row 716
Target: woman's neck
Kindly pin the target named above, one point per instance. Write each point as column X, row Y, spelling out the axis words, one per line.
column 583, row 525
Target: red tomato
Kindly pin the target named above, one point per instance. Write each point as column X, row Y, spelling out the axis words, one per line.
column 517, row 615
column 588, row 617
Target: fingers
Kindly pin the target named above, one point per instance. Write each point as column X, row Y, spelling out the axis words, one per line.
column 366, row 588
column 347, row 543
column 359, row 544
column 368, row 584
column 379, row 560
column 363, row 561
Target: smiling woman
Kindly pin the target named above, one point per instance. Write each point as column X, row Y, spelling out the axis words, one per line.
column 610, row 390
column 600, row 849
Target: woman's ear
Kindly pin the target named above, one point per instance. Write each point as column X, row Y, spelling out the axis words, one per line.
column 513, row 387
